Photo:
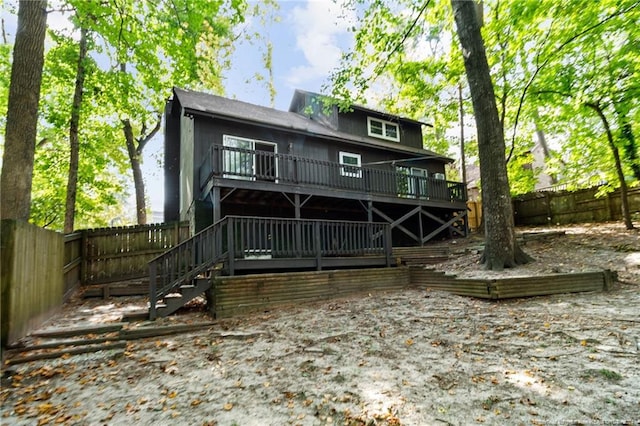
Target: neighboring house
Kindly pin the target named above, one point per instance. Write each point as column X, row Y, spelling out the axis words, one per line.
column 227, row 157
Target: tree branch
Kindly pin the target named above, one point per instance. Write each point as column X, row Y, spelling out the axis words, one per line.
column 144, row 139
column 551, row 55
column 379, row 68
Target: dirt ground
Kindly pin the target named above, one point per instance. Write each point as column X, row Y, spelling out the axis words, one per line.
column 411, row 358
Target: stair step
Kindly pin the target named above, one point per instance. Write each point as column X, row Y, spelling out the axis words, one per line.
column 181, row 296
column 173, row 296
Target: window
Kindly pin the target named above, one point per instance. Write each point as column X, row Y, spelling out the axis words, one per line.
column 383, row 129
column 418, row 185
column 412, row 182
column 249, row 159
column 351, row 164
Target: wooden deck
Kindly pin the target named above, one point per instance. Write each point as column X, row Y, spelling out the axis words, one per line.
column 319, row 177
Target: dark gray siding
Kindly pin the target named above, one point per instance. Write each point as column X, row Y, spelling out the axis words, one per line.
column 355, row 123
column 209, row 131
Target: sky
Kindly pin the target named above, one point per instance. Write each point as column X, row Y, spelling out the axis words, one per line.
column 308, row 42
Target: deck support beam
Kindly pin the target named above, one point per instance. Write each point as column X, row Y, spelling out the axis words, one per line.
column 444, row 225
column 216, row 202
column 297, row 203
column 396, row 223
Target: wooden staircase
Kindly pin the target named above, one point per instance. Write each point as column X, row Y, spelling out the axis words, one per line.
column 242, row 243
column 182, row 295
column 184, row 272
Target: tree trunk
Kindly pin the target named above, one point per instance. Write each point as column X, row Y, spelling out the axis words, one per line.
column 138, row 181
column 74, row 143
column 616, row 157
column 22, row 111
column 501, row 249
column 628, row 141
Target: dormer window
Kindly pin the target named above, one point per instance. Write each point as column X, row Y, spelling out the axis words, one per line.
column 383, row 129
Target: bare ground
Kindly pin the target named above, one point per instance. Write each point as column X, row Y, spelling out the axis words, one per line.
column 413, row 358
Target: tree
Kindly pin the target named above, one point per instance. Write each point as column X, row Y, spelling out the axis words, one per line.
column 74, row 144
column 103, row 133
column 134, row 148
column 501, row 248
column 401, row 49
column 616, row 155
column 102, row 161
column 153, row 46
column 22, row 111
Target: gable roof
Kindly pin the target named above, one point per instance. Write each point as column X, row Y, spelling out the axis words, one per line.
column 391, row 117
column 199, row 103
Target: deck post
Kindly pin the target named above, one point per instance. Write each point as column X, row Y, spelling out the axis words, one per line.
column 215, row 201
column 152, row 290
column 318, row 245
column 231, row 250
column 388, row 246
column 421, row 227
column 298, row 227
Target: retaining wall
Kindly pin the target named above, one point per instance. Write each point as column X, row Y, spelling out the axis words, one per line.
column 250, row 293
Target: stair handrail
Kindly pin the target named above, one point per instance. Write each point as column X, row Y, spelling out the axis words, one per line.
column 184, row 262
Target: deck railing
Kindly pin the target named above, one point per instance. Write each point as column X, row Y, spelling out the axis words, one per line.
column 242, row 237
column 246, row 164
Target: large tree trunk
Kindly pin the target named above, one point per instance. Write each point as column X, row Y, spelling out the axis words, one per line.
column 501, row 249
column 616, row 157
column 138, row 181
column 74, row 143
column 22, row 111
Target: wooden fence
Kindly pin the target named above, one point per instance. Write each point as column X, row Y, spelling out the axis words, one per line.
column 116, row 254
column 544, row 208
column 32, row 283
column 97, row 256
column 72, row 270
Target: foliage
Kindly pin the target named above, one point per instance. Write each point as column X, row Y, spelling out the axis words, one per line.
column 138, row 51
column 544, row 56
column 102, row 182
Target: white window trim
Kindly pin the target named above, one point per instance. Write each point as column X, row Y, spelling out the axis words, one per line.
column 253, row 142
column 343, row 167
column 385, row 123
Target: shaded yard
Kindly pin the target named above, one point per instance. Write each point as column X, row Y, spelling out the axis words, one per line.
column 415, row 358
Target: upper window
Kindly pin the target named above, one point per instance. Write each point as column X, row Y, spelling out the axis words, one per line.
column 383, row 129
column 350, row 164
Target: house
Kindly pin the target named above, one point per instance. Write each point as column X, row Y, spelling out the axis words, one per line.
column 227, row 157
column 309, row 188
